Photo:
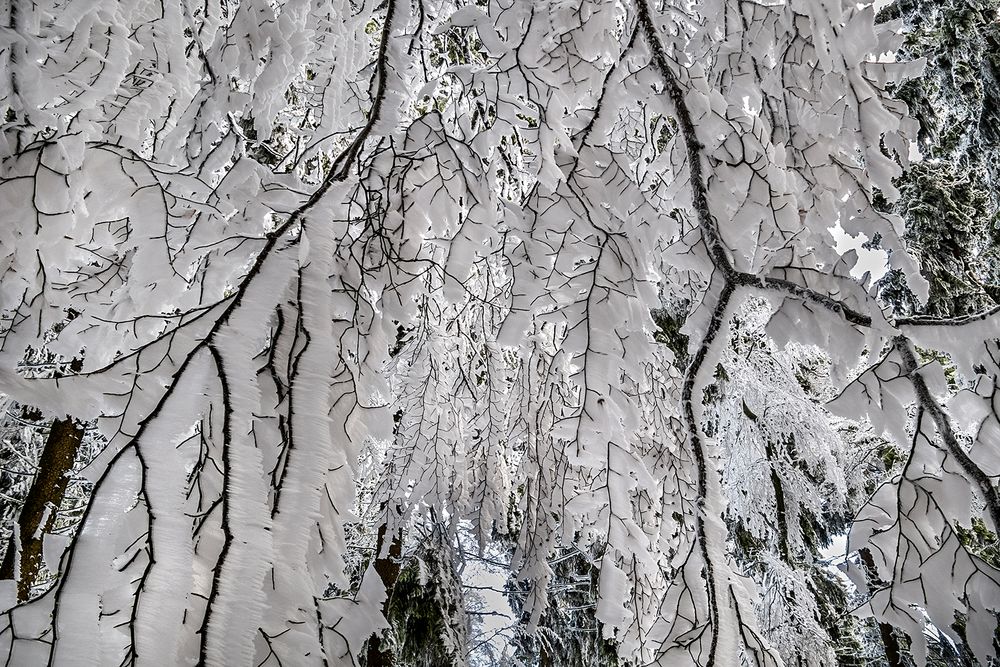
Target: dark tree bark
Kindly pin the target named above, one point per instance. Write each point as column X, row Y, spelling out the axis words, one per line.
column 893, row 654
column 388, row 568
column 779, row 500
column 47, row 491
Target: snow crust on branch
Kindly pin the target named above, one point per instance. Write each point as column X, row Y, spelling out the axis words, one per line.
column 337, row 264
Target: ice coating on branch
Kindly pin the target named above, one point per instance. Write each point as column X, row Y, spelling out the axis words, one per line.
column 335, row 267
column 84, row 627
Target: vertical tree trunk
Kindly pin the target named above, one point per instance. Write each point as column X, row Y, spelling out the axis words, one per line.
column 893, row 654
column 544, row 659
column 379, row 655
column 779, row 501
column 47, row 491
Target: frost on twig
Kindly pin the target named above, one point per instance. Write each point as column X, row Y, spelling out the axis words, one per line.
column 339, row 271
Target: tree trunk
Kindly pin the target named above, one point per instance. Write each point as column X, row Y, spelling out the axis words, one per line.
column 47, row 491
column 388, row 570
column 779, row 500
column 893, row 654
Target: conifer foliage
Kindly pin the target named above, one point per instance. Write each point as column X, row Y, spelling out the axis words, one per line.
column 340, row 312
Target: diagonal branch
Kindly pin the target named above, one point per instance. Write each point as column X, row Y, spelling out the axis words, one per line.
column 928, row 403
column 339, row 173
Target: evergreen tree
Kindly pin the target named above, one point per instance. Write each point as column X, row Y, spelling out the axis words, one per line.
column 951, row 197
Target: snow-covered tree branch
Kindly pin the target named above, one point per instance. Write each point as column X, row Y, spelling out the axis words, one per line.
column 423, row 332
